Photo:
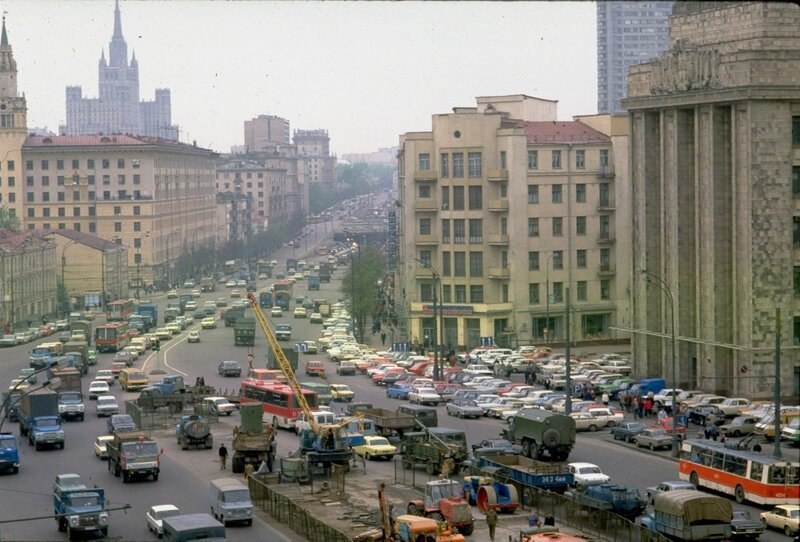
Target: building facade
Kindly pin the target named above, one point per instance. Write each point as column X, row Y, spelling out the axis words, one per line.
column 715, row 131
column 628, row 33
column 27, row 279
column 501, row 218
column 118, row 109
column 154, row 196
column 266, row 133
column 314, row 156
column 13, row 127
column 269, row 184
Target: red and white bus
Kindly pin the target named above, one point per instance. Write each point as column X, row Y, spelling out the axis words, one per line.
column 120, row 311
column 111, row 337
column 281, row 407
column 748, row 476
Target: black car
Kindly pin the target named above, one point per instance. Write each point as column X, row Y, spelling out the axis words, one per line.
column 120, row 423
column 743, row 527
column 699, row 414
column 229, row 368
column 627, row 430
column 498, row 444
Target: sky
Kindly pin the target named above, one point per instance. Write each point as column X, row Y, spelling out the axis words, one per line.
column 365, row 71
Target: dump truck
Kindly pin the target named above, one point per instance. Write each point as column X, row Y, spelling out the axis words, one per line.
column 149, row 309
column 70, row 393
column 79, row 508
column 432, row 446
column 542, row 433
column 252, row 442
column 79, row 352
column 39, row 419
column 621, row 500
column 194, row 432
column 526, row 474
column 244, row 331
column 9, row 453
column 325, row 271
column 388, row 422
column 687, row 514
column 443, row 502
column 232, row 315
column 133, row 454
column 313, row 282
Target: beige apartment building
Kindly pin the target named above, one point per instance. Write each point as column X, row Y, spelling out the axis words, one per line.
column 715, row 180
column 266, row 133
column 503, row 212
column 27, row 279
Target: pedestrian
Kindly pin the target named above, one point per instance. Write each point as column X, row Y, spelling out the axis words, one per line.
column 491, row 521
column 605, row 398
column 648, row 407
column 223, row 456
column 383, row 339
column 248, row 471
column 534, row 521
column 662, row 414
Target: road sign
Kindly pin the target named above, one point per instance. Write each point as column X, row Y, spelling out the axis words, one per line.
column 300, row 347
column 487, row 341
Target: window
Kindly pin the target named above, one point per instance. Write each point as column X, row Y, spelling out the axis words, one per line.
column 137, row 179
column 92, row 195
column 28, row 165
column 76, row 211
column 504, row 293
column 137, row 258
column 533, row 261
column 475, row 198
column 605, row 290
column 796, row 231
column 558, row 292
column 45, row 196
column 137, row 210
column 445, row 231
column 605, row 258
column 605, row 227
column 29, row 181
column 106, row 195
column 424, row 161
column 10, row 165
column 29, row 197
column 475, row 231
column 459, row 264
column 458, row 198
column 603, row 159
column 425, row 258
column 60, row 180
column 106, row 164
column 459, row 232
column 796, row 281
column 120, row 179
column 135, row 162
column 795, row 130
column 556, row 159
column 424, row 191
column 137, row 226
column 580, row 193
column 558, row 226
column 504, row 259
column 503, row 225
column 117, row 210
column 461, row 293
column 474, row 159
column 426, row 291
column 533, row 159
column 444, row 165
column 580, row 159
column 137, row 243
column 503, row 164
column 12, row 182
column 445, row 198
column 106, row 179
column 533, row 193
column 476, row 264
column 91, row 180
column 424, row 226
column 446, row 264
column 46, row 212
column 503, row 191
column 476, row 293
column 31, row 212
column 458, row 164
column 59, row 164
column 45, row 164
column 76, row 196
column 557, row 194
column 580, row 258
column 120, row 163
column 60, row 196
column 533, row 293
column 796, row 181
column 558, row 259
column 90, row 163
column 447, row 293
column 62, row 211
column 93, row 227
column 580, row 225
column 76, row 164
column 581, row 291
column 533, row 227
column 117, row 226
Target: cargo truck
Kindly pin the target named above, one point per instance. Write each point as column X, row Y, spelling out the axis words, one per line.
column 325, row 270
column 231, row 315
column 207, row 284
column 687, row 514
column 80, row 354
column 388, row 422
column 542, row 433
column 39, row 419
column 526, row 473
column 252, row 442
column 194, row 432
column 313, row 282
column 9, row 453
column 244, row 331
column 79, row 508
column 133, row 454
column 70, row 393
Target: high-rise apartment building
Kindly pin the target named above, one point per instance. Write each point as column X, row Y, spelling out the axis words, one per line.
column 270, row 186
column 314, row 156
column 628, row 33
column 118, row 109
column 715, row 180
column 504, row 212
column 266, row 133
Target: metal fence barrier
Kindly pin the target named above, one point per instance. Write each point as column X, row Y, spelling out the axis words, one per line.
column 151, row 420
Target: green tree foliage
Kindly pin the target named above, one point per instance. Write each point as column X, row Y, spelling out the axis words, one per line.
column 7, row 220
column 351, row 180
column 360, row 285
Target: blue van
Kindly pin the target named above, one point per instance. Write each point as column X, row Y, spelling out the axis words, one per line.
column 643, row 387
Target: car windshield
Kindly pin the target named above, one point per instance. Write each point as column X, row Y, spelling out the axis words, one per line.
column 106, row 401
column 379, row 442
column 236, row 496
column 167, row 514
column 794, row 513
column 590, row 470
column 84, row 501
column 138, row 449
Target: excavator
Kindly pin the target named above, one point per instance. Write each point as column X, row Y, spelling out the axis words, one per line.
column 322, row 444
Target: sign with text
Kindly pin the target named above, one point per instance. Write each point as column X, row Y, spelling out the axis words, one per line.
column 454, row 310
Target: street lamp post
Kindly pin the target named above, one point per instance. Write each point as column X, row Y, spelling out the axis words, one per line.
column 548, row 330
column 437, row 362
column 664, row 287
column 63, row 267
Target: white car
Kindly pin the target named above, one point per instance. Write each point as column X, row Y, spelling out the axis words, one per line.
column 587, row 474
column 106, row 376
column 784, row 517
column 106, row 405
column 100, row 446
column 220, row 405
column 156, row 515
column 478, row 369
column 98, row 388
column 424, row 396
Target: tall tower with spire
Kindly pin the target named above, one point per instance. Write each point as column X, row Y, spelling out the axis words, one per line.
column 13, row 129
column 118, row 109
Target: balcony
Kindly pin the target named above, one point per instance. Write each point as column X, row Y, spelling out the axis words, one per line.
column 606, row 205
column 498, row 205
column 607, row 238
column 606, row 172
column 500, row 273
column 606, row 270
column 497, row 175
column 426, row 240
column 498, row 239
column 425, row 176
column 427, row 205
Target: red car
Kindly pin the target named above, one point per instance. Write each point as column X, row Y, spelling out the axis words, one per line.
column 666, row 424
column 315, row 368
column 419, row 367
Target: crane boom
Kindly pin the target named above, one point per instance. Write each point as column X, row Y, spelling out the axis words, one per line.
column 283, row 363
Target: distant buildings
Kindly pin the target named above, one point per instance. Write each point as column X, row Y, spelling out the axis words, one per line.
column 314, row 156
column 383, row 156
column 266, row 133
column 628, row 33
column 27, row 279
column 118, row 109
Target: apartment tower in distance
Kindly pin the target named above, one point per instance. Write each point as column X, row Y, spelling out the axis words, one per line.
column 118, row 109
column 628, row 33
column 715, row 180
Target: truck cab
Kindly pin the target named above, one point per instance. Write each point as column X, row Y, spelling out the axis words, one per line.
column 79, row 509
column 9, row 453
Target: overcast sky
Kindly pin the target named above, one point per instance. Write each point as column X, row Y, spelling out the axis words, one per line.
column 365, row 71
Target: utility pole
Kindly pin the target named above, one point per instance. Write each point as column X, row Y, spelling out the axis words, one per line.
column 568, row 404
column 777, row 450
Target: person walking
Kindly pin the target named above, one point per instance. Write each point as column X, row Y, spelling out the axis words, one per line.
column 605, row 398
column 248, row 471
column 491, row 521
column 223, row 456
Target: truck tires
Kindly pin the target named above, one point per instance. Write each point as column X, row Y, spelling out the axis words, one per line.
column 237, row 465
column 526, row 448
column 551, row 438
column 466, row 529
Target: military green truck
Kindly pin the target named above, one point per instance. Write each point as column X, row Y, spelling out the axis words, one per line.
column 244, row 331
column 432, row 446
column 542, row 433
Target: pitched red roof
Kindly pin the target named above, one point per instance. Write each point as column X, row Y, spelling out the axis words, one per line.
column 568, row 131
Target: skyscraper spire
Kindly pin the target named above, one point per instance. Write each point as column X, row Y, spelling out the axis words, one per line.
column 117, row 49
column 117, row 21
column 4, row 39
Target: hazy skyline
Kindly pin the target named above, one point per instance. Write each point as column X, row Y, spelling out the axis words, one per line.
column 365, row 71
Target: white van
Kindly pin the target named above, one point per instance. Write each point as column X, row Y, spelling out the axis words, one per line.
column 230, row 501
column 322, row 417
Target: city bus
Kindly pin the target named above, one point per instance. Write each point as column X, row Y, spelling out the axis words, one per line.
column 265, row 300
column 120, row 311
column 748, row 476
column 281, row 407
column 111, row 337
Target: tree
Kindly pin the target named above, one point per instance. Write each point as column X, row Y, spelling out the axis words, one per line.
column 360, row 285
column 7, row 220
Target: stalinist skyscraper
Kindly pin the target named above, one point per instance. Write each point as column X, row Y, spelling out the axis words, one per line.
column 118, row 109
